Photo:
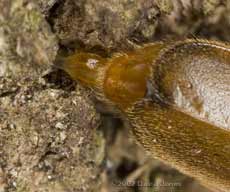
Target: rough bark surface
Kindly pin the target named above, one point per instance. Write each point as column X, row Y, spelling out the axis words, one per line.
column 48, row 137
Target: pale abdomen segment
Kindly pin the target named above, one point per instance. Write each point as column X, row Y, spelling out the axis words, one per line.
column 195, row 78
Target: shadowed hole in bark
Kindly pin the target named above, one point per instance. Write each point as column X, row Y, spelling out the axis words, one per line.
column 58, row 79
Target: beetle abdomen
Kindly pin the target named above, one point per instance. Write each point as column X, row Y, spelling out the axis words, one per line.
column 194, row 76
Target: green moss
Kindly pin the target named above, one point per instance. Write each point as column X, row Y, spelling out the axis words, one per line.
column 33, row 20
column 100, row 148
column 21, row 187
column 210, row 5
column 165, row 6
